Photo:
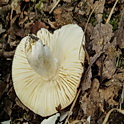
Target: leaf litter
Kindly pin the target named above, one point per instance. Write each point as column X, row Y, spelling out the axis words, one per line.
column 102, row 82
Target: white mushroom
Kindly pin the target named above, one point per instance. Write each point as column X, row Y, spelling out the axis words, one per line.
column 47, row 68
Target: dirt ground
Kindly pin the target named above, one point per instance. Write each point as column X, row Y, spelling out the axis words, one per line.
column 101, row 90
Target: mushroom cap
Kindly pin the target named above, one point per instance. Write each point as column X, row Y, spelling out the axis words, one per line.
column 44, row 96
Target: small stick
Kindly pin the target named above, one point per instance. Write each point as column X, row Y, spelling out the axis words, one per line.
column 111, row 11
column 72, row 106
column 108, row 114
column 54, row 6
column 89, row 18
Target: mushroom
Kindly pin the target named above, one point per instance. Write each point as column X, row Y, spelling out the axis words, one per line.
column 47, row 68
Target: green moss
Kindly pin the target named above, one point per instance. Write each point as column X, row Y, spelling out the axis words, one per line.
column 93, row 21
column 104, row 17
column 114, row 21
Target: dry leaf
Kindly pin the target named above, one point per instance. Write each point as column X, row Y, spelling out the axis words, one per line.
column 15, row 5
column 21, row 33
column 120, row 31
column 109, row 94
column 62, row 17
column 37, row 26
column 99, row 10
column 86, row 83
column 108, row 62
column 95, row 98
column 101, row 37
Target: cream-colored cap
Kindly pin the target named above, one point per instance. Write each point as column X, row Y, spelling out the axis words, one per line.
column 47, row 68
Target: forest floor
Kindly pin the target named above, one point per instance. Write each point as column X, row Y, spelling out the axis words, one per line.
column 101, row 93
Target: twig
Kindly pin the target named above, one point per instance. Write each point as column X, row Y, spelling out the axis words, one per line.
column 54, row 6
column 108, row 114
column 89, row 18
column 111, row 11
column 66, row 121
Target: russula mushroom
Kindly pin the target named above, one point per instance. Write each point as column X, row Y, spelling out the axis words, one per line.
column 47, row 68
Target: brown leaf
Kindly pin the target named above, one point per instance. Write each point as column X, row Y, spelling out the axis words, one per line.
column 109, row 94
column 108, row 69
column 89, row 101
column 120, row 31
column 94, row 99
column 86, row 83
column 101, row 36
column 107, row 63
column 87, row 106
column 21, row 33
column 57, row 13
column 15, row 6
column 37, row 26
column 62, row 17
column 99, row 10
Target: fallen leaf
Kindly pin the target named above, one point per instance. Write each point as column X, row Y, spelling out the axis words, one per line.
column 87, row 106
column 84, row 7
column 86, row 83
column 101, row 37
column 99, row 7
column 15, row 6
column 37, row 26
column 107, row 63
column 21, row 33
column 62, row 17
column 120, row 31
column 96, row 97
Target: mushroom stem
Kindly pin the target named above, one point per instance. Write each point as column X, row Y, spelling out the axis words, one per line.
column 41, row 58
